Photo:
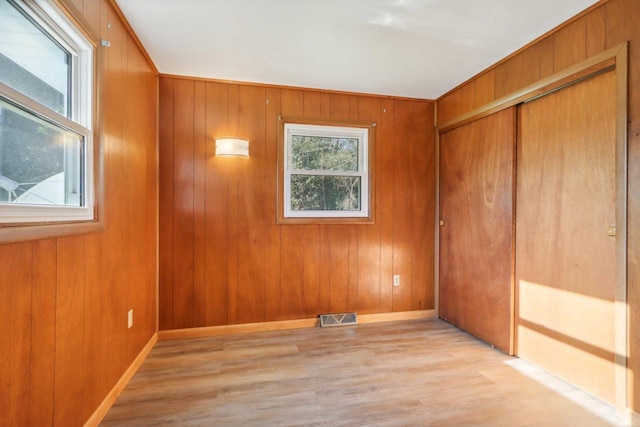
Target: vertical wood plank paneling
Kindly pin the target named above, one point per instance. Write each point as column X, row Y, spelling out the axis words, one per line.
column 91, row 12
column 233, row 115
column 446, row 107
column 465, row 98
column 69, row 352
column 107, row 127
column 595, row 32
column 352, row 298
column 199, row 189
column 339, row 106
column 385, row 177
column 291, row 261
column 312, row 106
column 501, row 80
column 325, row 105
column 251, row 207
column 183, row 132
column 43, row 332
column 404, row 137
column 94, row 355
column 310, row 248
column 546, row 56
column 369, row 235
column 116, row 292
column 216, row 212
column 272, row 260
column 257, row 270
column 484, row 89
column 165, row 293
column 523, row 69
column 149, row 116
column 422, row 153
column 15, row 328
column 622, row 20
column 134, row 174
column 339, row 269
column 324, row 292
column 569, row 45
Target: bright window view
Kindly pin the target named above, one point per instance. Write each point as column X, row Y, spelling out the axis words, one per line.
column 326, row 171
column 45, row 92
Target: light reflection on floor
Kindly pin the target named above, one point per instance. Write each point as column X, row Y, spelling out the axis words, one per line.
column 597, row 407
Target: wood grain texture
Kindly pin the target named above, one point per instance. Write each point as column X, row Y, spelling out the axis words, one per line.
column 622, row 23
column 252, row 231
column 183, row 190
column 63, row 305
column 565, row 261
column 165, row 181
column 257, row 270
column 216, row 212
column 43, row 327
column 476, row 205
column 484, row 92
column 15, row 313
column 69, row 335
column 569, row 45
column 199, row 203
column 611, row 23
column 394, row 373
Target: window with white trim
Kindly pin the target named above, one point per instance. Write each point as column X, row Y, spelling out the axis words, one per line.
column 326, row 171
column 46, row 89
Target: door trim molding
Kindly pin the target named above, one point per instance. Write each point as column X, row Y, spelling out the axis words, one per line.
column 592, row 66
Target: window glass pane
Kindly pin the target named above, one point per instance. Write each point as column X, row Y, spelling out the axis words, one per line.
column 31, row 62
column 325, row 193
column 324, row 153
column 40, row 163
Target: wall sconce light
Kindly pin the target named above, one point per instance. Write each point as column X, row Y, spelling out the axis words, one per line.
column 232, row 147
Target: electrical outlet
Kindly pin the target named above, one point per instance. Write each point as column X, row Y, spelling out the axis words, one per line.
column 130, row 318
column 396, row 280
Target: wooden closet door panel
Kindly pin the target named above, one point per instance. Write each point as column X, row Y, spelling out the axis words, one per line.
column 565, row 261
column 476, row 205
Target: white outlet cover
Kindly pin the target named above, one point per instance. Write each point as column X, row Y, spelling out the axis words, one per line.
column 130, row 318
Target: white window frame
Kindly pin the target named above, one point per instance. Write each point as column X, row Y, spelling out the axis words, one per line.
column 360, row 133
column 80, row 121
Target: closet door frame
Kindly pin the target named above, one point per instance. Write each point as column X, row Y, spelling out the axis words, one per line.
column 615, row 59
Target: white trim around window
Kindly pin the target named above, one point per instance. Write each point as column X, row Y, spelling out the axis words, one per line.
column 325, row 171
column 71, row 129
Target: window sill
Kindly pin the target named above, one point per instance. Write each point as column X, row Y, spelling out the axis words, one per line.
column 26, row 232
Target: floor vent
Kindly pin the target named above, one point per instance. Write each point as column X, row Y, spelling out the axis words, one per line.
column 338, row 319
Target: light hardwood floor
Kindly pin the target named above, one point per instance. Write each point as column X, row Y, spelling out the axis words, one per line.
column 407, row 373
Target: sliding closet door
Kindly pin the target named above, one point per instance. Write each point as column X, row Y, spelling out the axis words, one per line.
column 566, row 209
column 476, row 213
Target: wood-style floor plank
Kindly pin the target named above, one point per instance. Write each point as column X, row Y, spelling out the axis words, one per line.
column 409, row 373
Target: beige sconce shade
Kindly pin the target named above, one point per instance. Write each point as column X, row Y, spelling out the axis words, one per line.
column 232, row 147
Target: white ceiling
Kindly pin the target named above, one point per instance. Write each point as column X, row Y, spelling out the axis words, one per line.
column 410, row 48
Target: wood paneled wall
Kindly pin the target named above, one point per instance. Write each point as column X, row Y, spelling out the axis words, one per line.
column 603, row 27
column 223, row 258
column 64, row 302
